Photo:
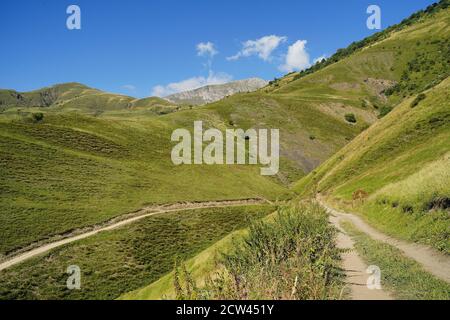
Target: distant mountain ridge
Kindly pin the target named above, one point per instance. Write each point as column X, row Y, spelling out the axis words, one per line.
column 82, row 98
column 212, row 93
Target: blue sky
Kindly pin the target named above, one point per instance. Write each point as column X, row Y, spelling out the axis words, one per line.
column 140, row 48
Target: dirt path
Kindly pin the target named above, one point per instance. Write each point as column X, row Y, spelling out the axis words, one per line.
column 433, row 261
column 355, row 268
column 124, row 220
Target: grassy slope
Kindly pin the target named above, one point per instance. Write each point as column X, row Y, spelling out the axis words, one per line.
column 76, row 96
column 200, row 267
column 306, row 108
column 125, row 259
column 72, row 170
column 382, row 160
column 401, row 161
column 292, row 242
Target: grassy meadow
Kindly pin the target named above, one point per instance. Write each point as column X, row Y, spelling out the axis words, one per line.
column 374, row 117
column 290, row 254
column 73, row 170
column 122, row 260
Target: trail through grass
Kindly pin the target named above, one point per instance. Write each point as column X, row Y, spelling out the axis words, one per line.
column 402, row 276
column 122, row 260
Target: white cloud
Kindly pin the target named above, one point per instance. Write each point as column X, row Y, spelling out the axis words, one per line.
column 263, row 47
column 296, row 58
column 129, row 87
column 318, row 59
column 191, row 84
column 206, row 49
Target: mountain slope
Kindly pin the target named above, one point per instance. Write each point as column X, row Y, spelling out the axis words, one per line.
column 81, row 98
column 400, row 165
column 73, row 170
column 402, row 160
column 212, row 93
column 70, row 162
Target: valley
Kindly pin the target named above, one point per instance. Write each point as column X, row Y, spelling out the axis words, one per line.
column 88, row 178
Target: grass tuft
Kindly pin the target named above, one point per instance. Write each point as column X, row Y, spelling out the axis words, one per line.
column 292, row 256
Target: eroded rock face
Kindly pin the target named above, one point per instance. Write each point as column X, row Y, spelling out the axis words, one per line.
column 212, row 93
column 378, row 86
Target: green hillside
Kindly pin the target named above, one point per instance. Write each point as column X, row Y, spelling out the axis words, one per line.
column 80, row 98
column 404, row 157
column 402, row 163
column 125, row 259
column 70, row 170
column 374, row 117
column 96, row 155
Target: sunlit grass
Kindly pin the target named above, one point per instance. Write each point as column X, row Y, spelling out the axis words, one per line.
column 424, row 190
column 402, row 276
column 122, row 260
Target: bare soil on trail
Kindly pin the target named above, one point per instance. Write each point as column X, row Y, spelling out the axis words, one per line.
column 432, row 261
column 355, row 268
column 40, row 248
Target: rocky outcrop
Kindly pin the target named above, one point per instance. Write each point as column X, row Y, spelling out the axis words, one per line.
column 212, row 93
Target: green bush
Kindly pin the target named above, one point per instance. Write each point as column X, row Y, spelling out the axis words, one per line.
column 416, row 101
column 350, row 117
column 384, row 110
column 37, row 117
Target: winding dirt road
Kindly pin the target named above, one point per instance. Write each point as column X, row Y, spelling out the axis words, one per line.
column 433, row 261
column 124, row 220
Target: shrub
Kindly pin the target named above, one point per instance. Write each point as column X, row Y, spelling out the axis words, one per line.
column 37, row 117
column 416, row 101
column 390, row 91
column 350, row 117
column 384, row 111
column 405, row 76
column 292, row 256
